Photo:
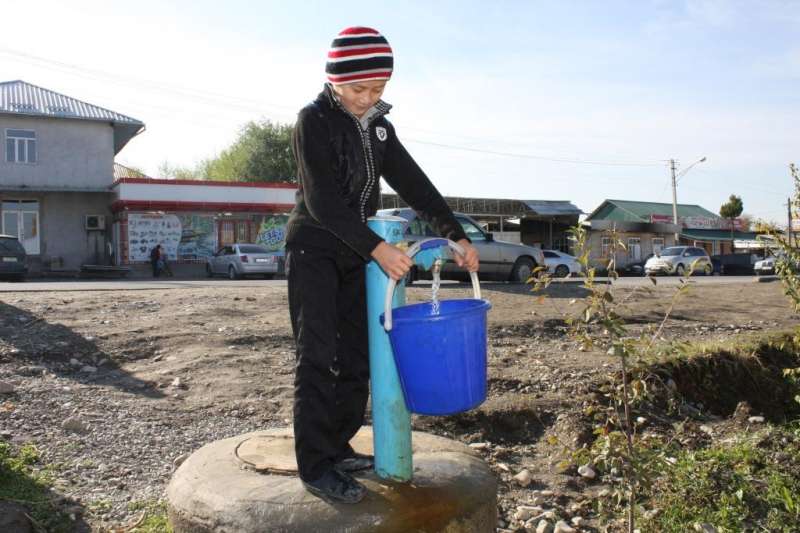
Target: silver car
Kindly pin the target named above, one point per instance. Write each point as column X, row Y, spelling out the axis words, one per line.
column 238, row 260
column 679, row 260
column 501, row 261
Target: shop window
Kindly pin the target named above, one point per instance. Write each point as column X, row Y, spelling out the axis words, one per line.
column 21, row 219
column 20, row 146
column 634, row 249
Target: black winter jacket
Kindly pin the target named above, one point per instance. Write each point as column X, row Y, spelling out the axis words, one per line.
column 339, row 166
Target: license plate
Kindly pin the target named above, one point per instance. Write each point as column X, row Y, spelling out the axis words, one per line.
column 264, row 260
column 9, row 259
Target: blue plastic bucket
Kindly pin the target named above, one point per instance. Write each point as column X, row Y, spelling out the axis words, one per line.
column 441, row 358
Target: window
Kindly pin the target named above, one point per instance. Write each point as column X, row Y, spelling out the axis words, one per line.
column 21, row 220
column 419, row 227
column 658, row 245
column 605, row 246
column 473, row 232
column 550, row 255
column 635, row 249
column 20, row 146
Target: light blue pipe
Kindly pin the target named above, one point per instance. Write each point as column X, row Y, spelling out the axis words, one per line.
column 391, row 421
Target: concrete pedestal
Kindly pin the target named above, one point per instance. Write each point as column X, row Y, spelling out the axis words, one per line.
column 248, row 484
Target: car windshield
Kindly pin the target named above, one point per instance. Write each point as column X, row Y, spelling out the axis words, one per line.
column 11, row 245
column 252, row 249
column 672, row 251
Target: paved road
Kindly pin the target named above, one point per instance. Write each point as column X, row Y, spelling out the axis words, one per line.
column 146, row 284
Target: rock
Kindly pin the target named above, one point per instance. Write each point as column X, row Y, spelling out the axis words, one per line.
column 544, row 527
column 651, row 513
column 705, row 528
column 13, row 518
column 524, row 478
column 250, row 299
column 6, row 435
column 89, row 369
column 504, row 467
column 178, row 461
column 75, row 424
column 756, row 419
column 6, row 388
column 479, row 445
column 587, row 472
column 563, row 527
column 525, row 512
column 176, row 383
column 74, row 362
column 706, row 429
column 32, row 370
column 577, row 521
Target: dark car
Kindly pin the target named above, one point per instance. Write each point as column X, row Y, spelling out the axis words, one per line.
column 734, row 264
column 13, row 263
column 635, row 268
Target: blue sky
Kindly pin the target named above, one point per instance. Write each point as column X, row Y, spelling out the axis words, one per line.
column 622, row 85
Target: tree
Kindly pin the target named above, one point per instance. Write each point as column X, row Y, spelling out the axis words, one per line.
column 730, row 210
column 168, row 170
column 262, row 152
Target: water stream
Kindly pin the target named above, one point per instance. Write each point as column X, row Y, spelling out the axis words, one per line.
column 437, row 281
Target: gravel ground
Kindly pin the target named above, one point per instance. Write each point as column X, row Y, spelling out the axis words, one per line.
column 116, row 387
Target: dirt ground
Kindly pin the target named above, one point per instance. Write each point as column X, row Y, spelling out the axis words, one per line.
column 114, row 387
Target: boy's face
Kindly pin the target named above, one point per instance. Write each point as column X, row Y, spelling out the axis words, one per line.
column 360, row 96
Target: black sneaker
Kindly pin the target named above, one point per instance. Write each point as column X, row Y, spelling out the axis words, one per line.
column 354, row 462
column 336, row 487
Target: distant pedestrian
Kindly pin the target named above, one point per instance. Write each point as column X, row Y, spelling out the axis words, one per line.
column 155, row 260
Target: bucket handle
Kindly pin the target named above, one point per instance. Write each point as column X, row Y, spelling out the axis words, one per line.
column 425, row 244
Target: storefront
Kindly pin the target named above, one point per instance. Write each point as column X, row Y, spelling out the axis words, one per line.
column 192, row 220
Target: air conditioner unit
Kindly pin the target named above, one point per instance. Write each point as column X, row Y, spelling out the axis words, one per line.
column 95, row 222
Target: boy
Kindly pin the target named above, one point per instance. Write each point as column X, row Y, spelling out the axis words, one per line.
column 343, row 144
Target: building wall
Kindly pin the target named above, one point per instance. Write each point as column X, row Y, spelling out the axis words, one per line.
column 598, row 259
column 64, row 243
column 70, row 154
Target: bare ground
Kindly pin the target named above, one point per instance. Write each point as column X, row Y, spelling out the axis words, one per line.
column 140, row 378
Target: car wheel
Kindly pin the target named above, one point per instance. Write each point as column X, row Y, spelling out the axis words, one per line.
column 232, row 273
column 269, row 276
column 680, row 270
column 209, row 272
column 562, row 271
column 523, row 270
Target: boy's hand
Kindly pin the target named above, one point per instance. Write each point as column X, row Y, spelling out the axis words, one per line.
column 392, row 260
column 470, row 259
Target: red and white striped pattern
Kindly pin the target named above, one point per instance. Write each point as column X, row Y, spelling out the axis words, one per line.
column 359, row 54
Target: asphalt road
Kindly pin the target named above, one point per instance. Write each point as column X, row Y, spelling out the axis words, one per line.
column 163, row 284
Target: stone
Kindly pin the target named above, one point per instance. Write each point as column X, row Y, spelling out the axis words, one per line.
column 75, row 425
column 577, row 521
column 563, row 527
column 756, row 419
column 6, row 435
column 524, row 478
column 705, row 528
column 587, row 472
column 13, row 518
column 7, row 388
column 249, row 484
column 32, row 370
column 525, row 512
column 479, row 445
column 544, row 527
column 176, row 383
column 74, row 362
column 178, row 461
column 89, row 369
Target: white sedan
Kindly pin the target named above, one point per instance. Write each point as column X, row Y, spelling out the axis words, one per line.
column 561, row 265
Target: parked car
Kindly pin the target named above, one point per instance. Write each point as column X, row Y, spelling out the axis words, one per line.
column 679, row 260
column 734, row 264
column 13, row 259
column 500, row 260
column 238, row 260
column 561, row 265
column 769, row 264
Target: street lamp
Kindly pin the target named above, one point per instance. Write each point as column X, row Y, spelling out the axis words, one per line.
column 675, row 179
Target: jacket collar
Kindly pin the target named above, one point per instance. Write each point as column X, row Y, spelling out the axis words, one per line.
column 378, row 110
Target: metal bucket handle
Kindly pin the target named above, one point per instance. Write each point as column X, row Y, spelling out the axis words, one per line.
column 417, row 247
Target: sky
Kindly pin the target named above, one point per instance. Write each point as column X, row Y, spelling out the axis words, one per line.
column 559, row 100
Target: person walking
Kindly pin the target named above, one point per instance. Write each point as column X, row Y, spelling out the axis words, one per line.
column 343, row 144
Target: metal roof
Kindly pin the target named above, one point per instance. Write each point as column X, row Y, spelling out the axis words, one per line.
column 716, row 234
column 21, row 98
column 552, row 207
column 626, row 210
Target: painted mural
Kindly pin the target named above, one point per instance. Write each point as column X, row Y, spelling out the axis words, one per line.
column 198, row 236
column 272, row 233
column 146, row 231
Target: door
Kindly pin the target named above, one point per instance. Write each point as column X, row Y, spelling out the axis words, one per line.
column 21, row 220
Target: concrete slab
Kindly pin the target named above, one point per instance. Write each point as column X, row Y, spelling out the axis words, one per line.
column 248, row 484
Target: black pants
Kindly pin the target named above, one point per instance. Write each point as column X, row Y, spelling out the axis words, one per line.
column 327, row 302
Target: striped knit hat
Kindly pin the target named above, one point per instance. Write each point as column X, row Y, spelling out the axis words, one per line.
column 359, row 54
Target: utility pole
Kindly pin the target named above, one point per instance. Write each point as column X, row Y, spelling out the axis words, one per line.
column 674, row 199
column 789, row 225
